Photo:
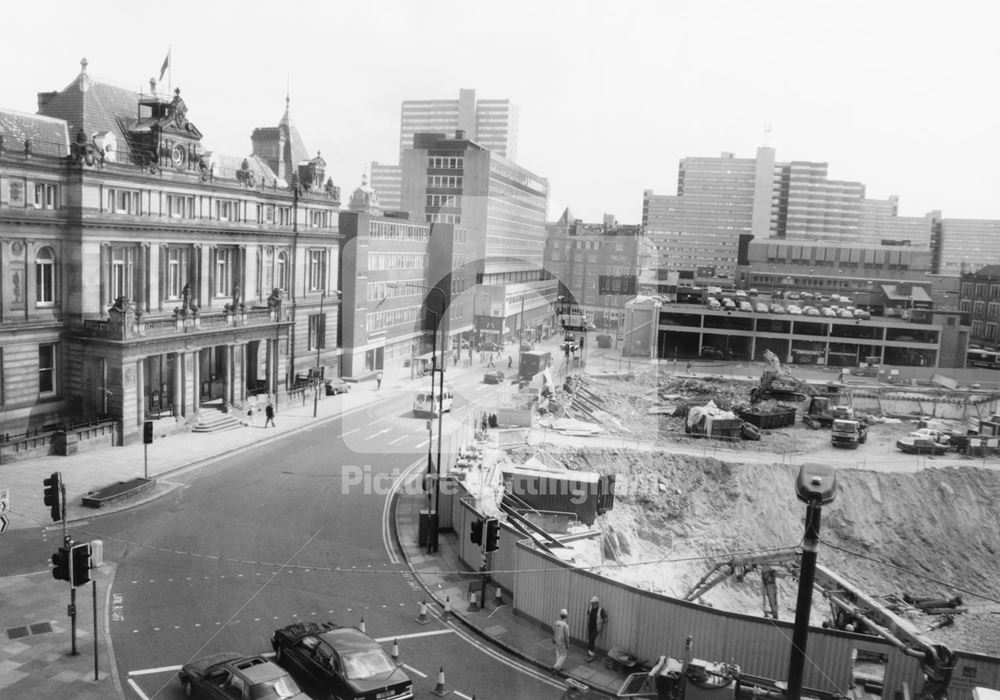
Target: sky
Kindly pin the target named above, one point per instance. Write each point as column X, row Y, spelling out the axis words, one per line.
column 899, row 95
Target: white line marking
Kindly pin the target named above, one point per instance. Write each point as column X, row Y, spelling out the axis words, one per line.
column 421, row 444
column 415, row 635
column 462, row 695
column 150, row 671
column 138, row 692
column 381, row 432
column 413, row 670
column 401, row 437
column 348, row 432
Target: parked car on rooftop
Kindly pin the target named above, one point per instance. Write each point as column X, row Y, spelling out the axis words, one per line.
column 827, row 311
column 746, row 306
column 810, row 311
column 844, row 313
column 753, row 292
column 795, row 309
column 777, row 309
column 760, row 307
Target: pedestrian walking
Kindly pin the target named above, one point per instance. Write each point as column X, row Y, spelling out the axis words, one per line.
column 491, row 361
column 378, row 381
column 560, row 637
column 250, row 419
column 597, row 619
column 688, row 368
column 510, row 362
column 269, row 415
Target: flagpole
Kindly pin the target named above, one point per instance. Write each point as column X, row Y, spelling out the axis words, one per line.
column 170, row 70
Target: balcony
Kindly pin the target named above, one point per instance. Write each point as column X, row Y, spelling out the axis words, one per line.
column 125, row 323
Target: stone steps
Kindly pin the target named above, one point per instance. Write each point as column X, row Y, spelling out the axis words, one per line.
column 215, row 422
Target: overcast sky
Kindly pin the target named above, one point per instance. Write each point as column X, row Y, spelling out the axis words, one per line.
column 902, row 96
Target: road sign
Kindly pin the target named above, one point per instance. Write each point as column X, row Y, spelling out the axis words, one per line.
column 4, row 507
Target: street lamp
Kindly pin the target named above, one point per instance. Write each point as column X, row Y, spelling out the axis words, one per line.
column 435, row 475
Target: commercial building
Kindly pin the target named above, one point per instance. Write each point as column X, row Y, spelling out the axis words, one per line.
column 144, row 276
column 597, row 265
column 493, row 124
column 966, row 245
column 980, row 298
column 719, row 200
column 490, row 263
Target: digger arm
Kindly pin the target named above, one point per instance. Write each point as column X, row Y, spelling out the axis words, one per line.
column 740, row 566
column 936, row 660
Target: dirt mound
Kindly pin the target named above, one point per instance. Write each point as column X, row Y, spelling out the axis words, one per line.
column 932, row 532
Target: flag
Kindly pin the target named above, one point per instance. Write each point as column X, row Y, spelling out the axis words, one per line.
column 166, row 64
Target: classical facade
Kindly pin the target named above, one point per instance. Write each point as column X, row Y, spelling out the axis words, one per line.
column 143, row 275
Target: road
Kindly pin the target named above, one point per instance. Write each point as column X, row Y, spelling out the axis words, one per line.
column 254, row 542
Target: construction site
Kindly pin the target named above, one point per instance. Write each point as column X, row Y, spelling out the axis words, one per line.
column 705, row 508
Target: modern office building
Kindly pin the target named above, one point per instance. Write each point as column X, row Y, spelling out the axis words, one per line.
column 493, row 124
column 144, row 276
column 597, row 265
column 966, row 245
column 496, row 260
column 720, row 199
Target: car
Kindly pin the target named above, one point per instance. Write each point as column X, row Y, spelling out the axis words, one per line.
column 489, row 346
column 340, row 662
column 728, row 304
column 235, row 676
column 794, row 296
column 844, row 313
column 591, row 326
column 806, row 296
column 711, row 353
column 714, row 304
column 827, row 311
column 493, row 376
column 760, row 307
column 810, row 311
column 753, row 292
column 568, row 346
column 741, row 294
column 794, row 309
column 862, row 314
column 336, row 386
column 937, row 436
column 777, row 309
column 920, row 445
column 746, row 306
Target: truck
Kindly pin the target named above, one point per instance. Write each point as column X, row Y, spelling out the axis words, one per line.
column 848, row 432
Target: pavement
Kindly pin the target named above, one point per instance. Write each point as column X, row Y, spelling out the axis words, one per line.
column 35, row 647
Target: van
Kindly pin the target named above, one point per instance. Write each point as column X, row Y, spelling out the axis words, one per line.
column 422, row 405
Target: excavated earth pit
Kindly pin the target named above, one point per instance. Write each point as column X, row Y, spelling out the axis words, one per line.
column 899, row 524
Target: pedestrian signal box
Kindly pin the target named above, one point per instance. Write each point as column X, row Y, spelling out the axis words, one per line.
column 492, row 535
column 476, row 534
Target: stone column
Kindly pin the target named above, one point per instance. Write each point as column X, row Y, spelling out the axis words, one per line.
column 177, row 394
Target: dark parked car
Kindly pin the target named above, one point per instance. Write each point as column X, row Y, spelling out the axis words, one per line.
column 340, row 662
column 336, row 386
column 921, row 446
column 712, row 353
column 489, row 346
column 234, row 676
column 493, row 376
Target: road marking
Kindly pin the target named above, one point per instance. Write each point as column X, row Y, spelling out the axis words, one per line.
column 151, row 671
column 380, row 432
column 401, row 437
column 135, row 687
column 415, row 635
column 419, row 445
column 348, row 432
column 413, row 670
column 462, row 695
column 387, row 511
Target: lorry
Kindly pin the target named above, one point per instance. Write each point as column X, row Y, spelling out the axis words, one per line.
column 848, row 432
column 532, row 362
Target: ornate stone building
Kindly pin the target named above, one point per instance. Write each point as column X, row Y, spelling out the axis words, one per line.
column 144, row 276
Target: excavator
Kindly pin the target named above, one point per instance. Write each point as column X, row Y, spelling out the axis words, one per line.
column 851, row 610
column 787, row 388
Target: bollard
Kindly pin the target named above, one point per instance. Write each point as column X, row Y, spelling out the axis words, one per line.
column 361, row 627
column 498, row 600
column 447, row 608
column 395, row 651
column 422, row 617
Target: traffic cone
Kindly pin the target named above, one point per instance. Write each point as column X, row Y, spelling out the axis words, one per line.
column 473, row 601
column 439, row 689
column 422, row 617
column 447, row 608
column 498, row 600
column 362, row 626
column 395, row 651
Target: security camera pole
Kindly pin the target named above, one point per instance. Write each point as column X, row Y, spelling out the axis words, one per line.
column 816, row 486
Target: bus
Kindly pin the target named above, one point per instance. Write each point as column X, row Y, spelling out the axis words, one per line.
column 533, row 362
column 989, row 359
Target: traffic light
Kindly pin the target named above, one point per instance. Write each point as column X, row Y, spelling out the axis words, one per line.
column 147, row 432
column 53, row 495
column 492, row 535
column 477, row 532
column 60, row 565
column 80, row 554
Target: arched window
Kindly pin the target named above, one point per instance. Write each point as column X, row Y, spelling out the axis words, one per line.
column 281, row 278
column 45, row 277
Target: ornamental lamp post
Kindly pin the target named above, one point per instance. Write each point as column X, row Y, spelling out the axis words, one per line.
column 320, row 345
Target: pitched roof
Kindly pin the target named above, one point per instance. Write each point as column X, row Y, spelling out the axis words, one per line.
column 48, row 136
column 226, row 167
column 988, row 271
column 298, row 150
column 93, row 106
